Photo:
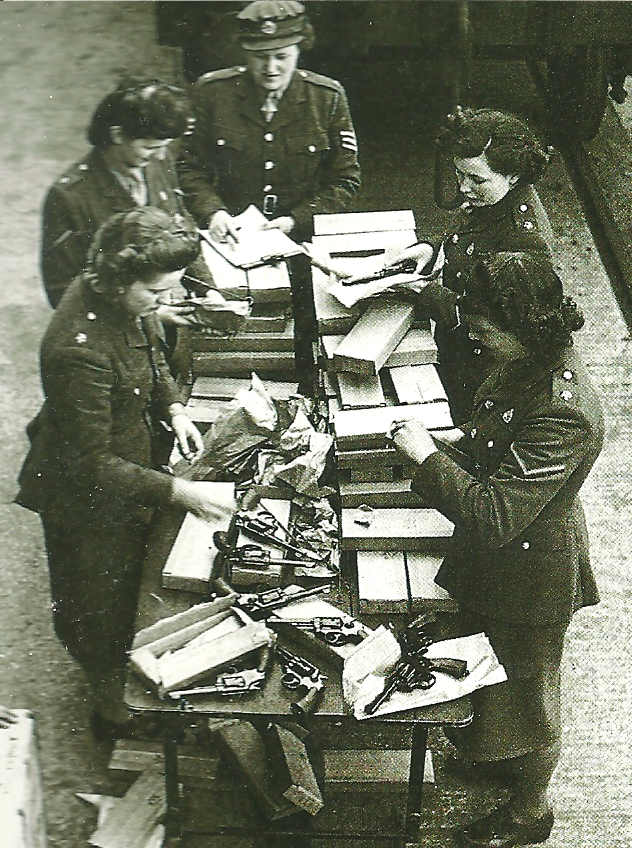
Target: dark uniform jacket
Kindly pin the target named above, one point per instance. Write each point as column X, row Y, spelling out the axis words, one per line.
column 516, row 223
column 94, row 442
column 519, row 551
column 303, row 162
column 82, row 199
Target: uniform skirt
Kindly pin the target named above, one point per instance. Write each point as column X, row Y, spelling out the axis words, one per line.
column 95, row 572
column 523, row 713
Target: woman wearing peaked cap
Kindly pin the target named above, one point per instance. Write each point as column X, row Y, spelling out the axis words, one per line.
column 497, row 158
column 274, row 136
column 93, row 472
column 518, row 561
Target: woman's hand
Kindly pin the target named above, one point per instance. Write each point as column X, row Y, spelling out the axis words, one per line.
column 180, row 315
column 285, row 223
column 188, row 437
column 412, row 438
column 420, row 253
column 222, row 227
column 194, row 497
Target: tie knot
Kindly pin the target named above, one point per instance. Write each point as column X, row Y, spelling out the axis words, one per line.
column 269, row 106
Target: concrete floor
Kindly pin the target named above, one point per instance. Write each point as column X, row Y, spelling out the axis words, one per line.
column 57, row 60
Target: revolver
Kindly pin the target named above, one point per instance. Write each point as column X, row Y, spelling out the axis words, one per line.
column 333, row 630
column 235, row 683
column 259, row 605
column 303, row 677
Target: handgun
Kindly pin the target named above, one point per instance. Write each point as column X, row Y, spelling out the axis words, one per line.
column 333, row 630
column 259, row 605
column 237, row 683
column 302, row 677
column 406, row 266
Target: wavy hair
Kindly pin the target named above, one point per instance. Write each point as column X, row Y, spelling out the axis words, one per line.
column 521, row 293
column 510, row 146
column 140, row 245
column 142, row 108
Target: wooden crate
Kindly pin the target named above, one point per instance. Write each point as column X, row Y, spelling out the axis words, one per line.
column 21, row 796
column 404, row 529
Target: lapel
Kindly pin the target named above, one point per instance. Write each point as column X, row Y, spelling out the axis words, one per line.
column 120, row 199
column 252, row 97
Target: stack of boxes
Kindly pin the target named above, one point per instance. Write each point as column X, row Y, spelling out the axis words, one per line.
column 378, row 366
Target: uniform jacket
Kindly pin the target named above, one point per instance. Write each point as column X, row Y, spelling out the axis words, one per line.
column 520, row 550
column 94, row 443
column 516, row 223
column 82, row 199
column 305, row 158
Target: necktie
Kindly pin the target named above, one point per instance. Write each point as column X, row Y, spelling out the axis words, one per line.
column 269, row 106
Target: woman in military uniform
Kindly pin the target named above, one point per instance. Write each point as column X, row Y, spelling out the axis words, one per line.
column 274, row 136
column 497, row 159
column 130, row 165
column 518, row 561
column 93, row 471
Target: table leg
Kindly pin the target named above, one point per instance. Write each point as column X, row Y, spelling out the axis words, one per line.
column 173, row 823
column 416, row 781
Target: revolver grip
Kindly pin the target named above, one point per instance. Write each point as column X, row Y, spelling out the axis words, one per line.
column 309, row 702
column 452, row 667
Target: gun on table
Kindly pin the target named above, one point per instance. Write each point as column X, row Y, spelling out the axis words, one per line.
column 333, row 630
column 301, row 676
column 237, row 683
column 415, row 670
column 406, row 266
column 259, row 605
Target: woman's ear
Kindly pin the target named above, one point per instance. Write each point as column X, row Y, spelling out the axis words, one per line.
column 116, row 135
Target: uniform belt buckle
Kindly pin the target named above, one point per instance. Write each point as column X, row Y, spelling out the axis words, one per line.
column 269, row 204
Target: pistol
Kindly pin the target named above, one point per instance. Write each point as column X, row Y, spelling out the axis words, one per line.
column 237, row 683
column 259, row 605
column 303, row 677
column 333, row 630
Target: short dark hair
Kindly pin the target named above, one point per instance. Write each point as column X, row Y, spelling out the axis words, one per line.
column 511, row 147
column 139, row 245
column 143, row 109
column 521, row 293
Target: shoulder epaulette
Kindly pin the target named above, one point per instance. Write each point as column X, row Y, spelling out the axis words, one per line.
column 223, row 73
column 319, row 79
column 73, row 175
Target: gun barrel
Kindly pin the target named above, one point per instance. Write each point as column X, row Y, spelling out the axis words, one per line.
column 391, row 683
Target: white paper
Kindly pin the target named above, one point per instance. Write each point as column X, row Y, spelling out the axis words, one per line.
column 255, row 245
column 363, row 675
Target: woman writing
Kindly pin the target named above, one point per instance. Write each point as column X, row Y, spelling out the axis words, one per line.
column 93, row 469
column 497, row 159
column 518, row 561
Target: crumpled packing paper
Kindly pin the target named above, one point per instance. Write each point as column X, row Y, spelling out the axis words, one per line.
column 365, row 670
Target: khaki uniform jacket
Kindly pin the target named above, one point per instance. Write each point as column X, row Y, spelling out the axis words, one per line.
column 95, row 441
column 520, row 551
column 305, row 160
column 516, row 223
column 82, row 199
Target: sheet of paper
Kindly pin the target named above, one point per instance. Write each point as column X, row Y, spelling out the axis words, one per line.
column 364, row 671
column 255, row 245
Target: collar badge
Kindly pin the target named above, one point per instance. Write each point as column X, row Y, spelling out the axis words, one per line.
column 507, row 416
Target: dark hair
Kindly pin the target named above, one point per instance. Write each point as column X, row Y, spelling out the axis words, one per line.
column 521, row 293
column 509, row 144
column 139, row 245
column 143, row 109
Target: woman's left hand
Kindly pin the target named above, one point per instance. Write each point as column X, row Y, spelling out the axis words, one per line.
column 412, row 438
column 285, row 223
column 188, row 437
column 180, row 315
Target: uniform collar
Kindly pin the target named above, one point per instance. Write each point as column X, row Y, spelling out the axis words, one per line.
column 503, row 208
column 252, row 97
column 107, row 181
column 116, row 319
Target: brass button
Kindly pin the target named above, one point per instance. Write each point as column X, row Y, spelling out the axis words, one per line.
column 526, row 545
column 455, row 238
column 489, row 404
column 490, row 443
column 523, row 207
column 566, row 395
column 269, row 165
column 136, row 391
column 567, row 375
column 312, row 148
column 268, row 137
column 91, row 316
column 221, row 142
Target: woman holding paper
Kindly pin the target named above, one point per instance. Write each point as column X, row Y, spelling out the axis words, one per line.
column 497, row 159
column 518, row 561
column 274, row 136
column 93, row 472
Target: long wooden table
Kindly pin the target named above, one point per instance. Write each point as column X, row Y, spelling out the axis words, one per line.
column 272, row 704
